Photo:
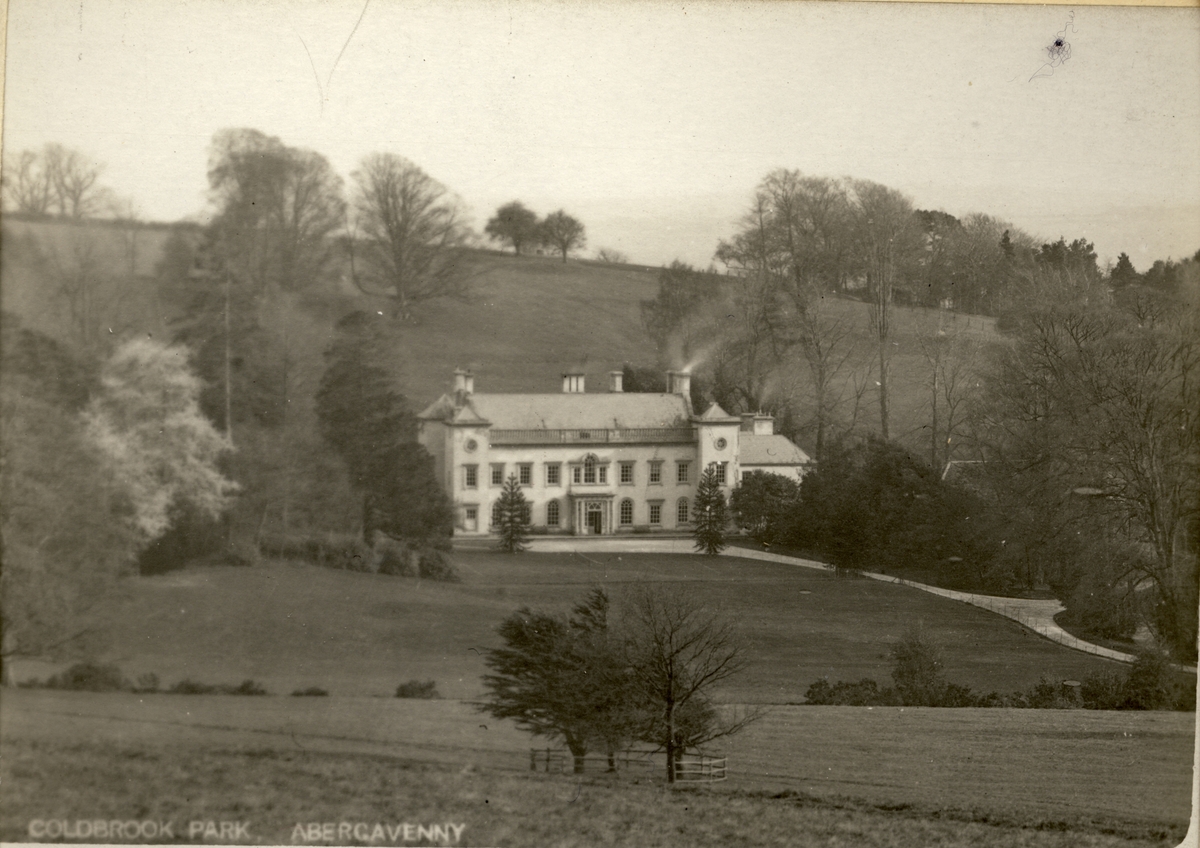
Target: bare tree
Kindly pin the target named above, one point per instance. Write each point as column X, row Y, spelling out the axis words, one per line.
column 611, row 256
column 563, row 232
column 278, row 208
column 73, row 178
column 678, row 652
column 887, row 240
column 413, row 230
column 28, row 187
column 951, row 358
column 827, row 343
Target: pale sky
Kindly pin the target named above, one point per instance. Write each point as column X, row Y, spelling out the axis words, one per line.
column 651, row 122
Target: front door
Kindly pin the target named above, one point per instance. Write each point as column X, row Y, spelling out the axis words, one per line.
column 595, row 520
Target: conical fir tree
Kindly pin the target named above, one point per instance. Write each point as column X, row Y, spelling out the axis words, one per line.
column 512, row 517
column 709, row 514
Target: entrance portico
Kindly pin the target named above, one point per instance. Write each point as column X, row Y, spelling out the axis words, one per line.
column 592, row 514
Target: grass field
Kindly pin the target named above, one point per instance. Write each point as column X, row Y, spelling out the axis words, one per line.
column 866, row 777
column 915, row 776
column 293, row 626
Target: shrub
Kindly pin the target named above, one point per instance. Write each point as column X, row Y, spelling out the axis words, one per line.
column 423, row 689
column 1150, row 684
column 310, row 692
column 192, row 687
column 1103, row 691
column 147, row 683
column 864, row 693
column 434, row 565
column 89, row 677
column 394, row 557
column 917, row 670
column 187, row 686
column 241, row 552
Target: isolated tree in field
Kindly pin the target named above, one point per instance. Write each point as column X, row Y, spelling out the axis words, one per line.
column 513, row 224
column 512, row 517
column 762, row 502
column 709, row 514
column 564, row 233
column 678, row 652
column 147, row 425
column 564, row 678
column 408, row 235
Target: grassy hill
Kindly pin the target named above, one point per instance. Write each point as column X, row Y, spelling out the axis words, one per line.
column 293, row 626
column 526, row 320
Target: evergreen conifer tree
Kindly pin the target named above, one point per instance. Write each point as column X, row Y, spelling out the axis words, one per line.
column 710, row 515
column 512, row 517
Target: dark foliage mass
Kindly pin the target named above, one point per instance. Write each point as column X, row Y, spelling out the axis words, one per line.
column 876, row 505
column 368, row 423
column 710, row 514
column 420, row 689
column 919, row 680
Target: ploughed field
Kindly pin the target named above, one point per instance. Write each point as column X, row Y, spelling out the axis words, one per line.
column 925, row 776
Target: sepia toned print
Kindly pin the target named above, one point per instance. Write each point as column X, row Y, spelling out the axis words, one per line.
column 611, row 423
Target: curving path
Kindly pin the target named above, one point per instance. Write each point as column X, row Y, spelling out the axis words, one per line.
column 1037, row 615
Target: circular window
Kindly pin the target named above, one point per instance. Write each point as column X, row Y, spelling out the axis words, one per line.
column 721, row 443
column 471, row 445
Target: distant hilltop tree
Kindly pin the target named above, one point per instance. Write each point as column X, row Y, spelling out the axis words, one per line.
column 563, row 233
column 611, row 256
column 513, row 224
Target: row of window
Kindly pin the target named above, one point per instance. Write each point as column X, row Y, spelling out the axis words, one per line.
column 588, row 472
column 624, row 513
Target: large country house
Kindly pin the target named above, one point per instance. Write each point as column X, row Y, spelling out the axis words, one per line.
column 599, row 463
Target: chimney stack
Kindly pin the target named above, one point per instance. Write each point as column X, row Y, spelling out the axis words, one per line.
column 747, row 422
column 764, row 425
column 573, row 383
column 679, row 383
column 616, row 381
column 464, row 385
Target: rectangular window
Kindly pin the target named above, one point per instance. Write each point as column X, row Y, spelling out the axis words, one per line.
column 553, row 474
column 498, row 474
column 681, row 511
column 655, row 472
column 472, row 513
column 682, row 470
column 626, row 512
column 552, row 515
column 576, row 474
column 602, row 472
column 589, row 472
column 525, row 473
column 656, row 513
column 627, row 473
column 720, row 472
column 471, row 476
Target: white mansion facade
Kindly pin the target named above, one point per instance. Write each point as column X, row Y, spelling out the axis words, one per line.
column 599, row 463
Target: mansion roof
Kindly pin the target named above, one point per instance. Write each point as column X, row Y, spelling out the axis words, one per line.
column 576, row 410
column 769, row 450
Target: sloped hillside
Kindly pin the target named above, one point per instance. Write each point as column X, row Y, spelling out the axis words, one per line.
column 526, row 320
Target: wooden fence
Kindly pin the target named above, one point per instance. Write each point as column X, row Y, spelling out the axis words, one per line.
column 691, row 768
